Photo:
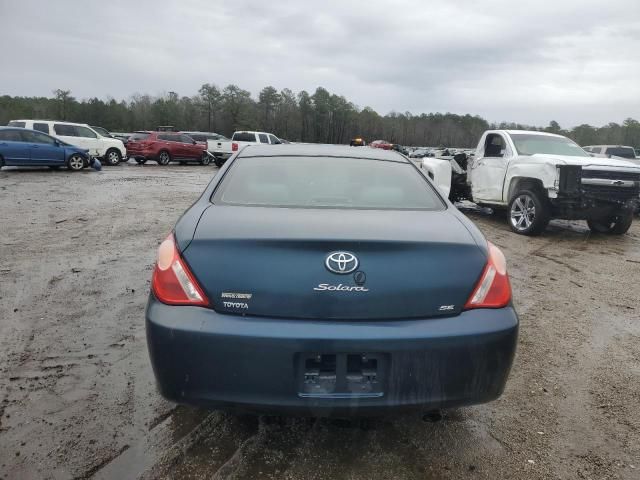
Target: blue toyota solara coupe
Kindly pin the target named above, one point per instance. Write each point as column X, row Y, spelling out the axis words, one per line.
column 29, row 148
column 328, row 280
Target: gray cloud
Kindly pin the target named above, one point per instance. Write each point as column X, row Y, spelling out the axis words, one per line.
column 574, row 61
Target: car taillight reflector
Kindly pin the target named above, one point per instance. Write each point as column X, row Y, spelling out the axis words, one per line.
column 172, row 281
column 493, row 290
column 234, row 147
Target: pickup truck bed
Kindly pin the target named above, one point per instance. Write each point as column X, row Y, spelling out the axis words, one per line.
column 222, row 150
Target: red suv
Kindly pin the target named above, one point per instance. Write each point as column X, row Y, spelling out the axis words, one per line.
column 166, row 147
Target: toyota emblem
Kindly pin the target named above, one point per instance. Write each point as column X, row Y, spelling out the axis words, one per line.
column 341, row 262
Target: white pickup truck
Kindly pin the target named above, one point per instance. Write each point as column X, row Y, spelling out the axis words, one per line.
column 537, row 176
column 222, row 150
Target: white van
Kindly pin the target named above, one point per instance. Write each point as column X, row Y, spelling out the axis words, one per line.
column 110, row 150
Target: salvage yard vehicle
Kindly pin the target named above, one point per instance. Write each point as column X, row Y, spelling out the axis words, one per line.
column 27, row 148
column 110, row 150
column 204, row 137
column 166, row 147
column 419, row 153
column 609, row 151
column 537, row 176
column 328, row 280
column 222, row 150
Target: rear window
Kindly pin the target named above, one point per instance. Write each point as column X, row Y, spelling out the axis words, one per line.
column 136, row 137
column 624, row 152
column 244, row 137
column 17, row 124
column 306, row 182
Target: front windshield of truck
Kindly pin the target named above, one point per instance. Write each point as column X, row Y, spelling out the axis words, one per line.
column 528, row 144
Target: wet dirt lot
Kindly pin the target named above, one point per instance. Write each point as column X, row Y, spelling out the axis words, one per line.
column 77, row 395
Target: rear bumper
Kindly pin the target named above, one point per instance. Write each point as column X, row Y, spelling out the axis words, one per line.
column 221, row 155
column 204, row 358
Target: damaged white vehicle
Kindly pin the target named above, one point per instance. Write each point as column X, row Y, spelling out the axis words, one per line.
column 537, row 176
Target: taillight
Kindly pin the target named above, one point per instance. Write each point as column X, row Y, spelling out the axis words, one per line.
column 493, row 290
column 172, row 281
column 234, row 147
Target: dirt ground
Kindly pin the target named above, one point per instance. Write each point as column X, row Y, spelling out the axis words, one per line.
column 77, row 395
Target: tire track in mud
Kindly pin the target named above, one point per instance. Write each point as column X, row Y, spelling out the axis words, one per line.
column 160, row 446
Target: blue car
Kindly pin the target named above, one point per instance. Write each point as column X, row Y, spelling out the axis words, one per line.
column 327, row 280
column 29, row 148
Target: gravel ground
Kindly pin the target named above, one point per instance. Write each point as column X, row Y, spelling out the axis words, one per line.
column 77, row 396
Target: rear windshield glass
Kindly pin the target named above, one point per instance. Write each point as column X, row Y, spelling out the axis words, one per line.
column 527, row 144
column 17, row 124
column 139, row 136
column 244, row 137
column 624, row 152
column 307, row 182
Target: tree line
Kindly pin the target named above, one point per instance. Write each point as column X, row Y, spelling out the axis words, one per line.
column 320, row 117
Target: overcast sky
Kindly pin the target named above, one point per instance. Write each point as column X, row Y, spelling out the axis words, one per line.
column 575, row 61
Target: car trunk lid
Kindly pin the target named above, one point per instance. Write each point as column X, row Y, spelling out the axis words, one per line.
column 272, row 262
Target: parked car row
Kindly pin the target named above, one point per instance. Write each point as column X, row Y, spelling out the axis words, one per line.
column 54, row 143
column 109, row 150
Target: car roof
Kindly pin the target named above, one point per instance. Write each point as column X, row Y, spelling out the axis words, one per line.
column 314, row 150
column 201, row 133
column 62, row 122
column 254, row 131
column 9, row 127
column 528, row 132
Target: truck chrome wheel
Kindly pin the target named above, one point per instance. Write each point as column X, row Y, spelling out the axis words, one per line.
column 523, row 212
